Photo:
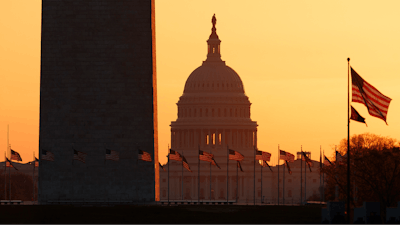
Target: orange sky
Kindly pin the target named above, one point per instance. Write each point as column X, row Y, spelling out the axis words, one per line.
column 290, row 55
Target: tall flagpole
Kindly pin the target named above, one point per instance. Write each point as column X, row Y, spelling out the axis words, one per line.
column 301, row 176
column 5, row 171
column 227, row 174
column 348, row 141
column 278, row 172
column 254, row 171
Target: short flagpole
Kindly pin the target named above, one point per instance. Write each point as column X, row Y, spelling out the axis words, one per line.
column 348, row 141
column 301, row 176
column 198, row 177
column 169, row 151
column 227, row 174
column 278, row 172
column 283, row 186
column 33, row 176
column 254, row 171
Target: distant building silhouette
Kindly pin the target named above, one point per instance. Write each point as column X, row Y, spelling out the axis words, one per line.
column 214, row 115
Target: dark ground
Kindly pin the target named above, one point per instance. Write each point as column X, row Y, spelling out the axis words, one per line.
column 232, row 214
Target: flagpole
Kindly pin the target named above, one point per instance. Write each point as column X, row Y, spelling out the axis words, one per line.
column 168, row 172
column 227, row 174
column 261, row 184
column 33, row 176
column 210, row 180
column 336, row 185
column 9, row 176
column 237, row 182
column 278, row 172
column 254, row 171
column 5, row 171
column 283, row 186
column 320, row 167
column 305, row 178
column 323, row 180
column 301, row 176
column 198, row 177
column 348, row 141
column 182, row 178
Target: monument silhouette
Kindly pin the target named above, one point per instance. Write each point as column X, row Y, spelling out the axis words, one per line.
column 98, row 92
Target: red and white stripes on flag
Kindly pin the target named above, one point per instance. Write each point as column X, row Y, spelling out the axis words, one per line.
column 15, row 156
column 145, row 156
column 208, row 157
column 234, row 155
column 185, row 164
column 376, row 103
column 265, row 156
column 112, row 155
column 47, row 155
column 174, row 155
column 286, row 156
column 80, row 156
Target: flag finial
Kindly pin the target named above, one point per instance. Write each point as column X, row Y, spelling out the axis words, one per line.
column 348, row 59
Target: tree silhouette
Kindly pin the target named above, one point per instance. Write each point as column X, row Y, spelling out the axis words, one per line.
column 375, row 170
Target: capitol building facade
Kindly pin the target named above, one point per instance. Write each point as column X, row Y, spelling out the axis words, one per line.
column 214, row 116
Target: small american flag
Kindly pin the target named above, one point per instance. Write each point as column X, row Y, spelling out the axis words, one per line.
column 47, row 155
column 81, row 156
column 174, row 155
column 15, row 156
column 234, row 155
column 162, row 167
column 286, row 156
column 327, row 162
column 112, row 155
column 308, row 160
column 145, row 156
column 9, row 164
column 260, row 155
column 204, row 156
column 185, row 164
column 36, row 162
column 288, row 167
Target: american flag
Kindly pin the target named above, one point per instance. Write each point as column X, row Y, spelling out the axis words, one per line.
column 145, row 156
column 162, row 167
column 15, row 156
column 112, row 155
column 204, row 156
column 185, row 164
column 356, row 116
column 36, row 162
column 234, row 155
column 265, row 164
column 9, row 164
column 47, row 155
column 174, row 155
column 239, row 165
column 288, row 167
column 376, row 103
column 327, row 162
column 286, row 156
column 260, row 155
column 79, row 156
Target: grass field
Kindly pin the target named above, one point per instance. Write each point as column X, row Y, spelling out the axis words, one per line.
column 231, row 214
